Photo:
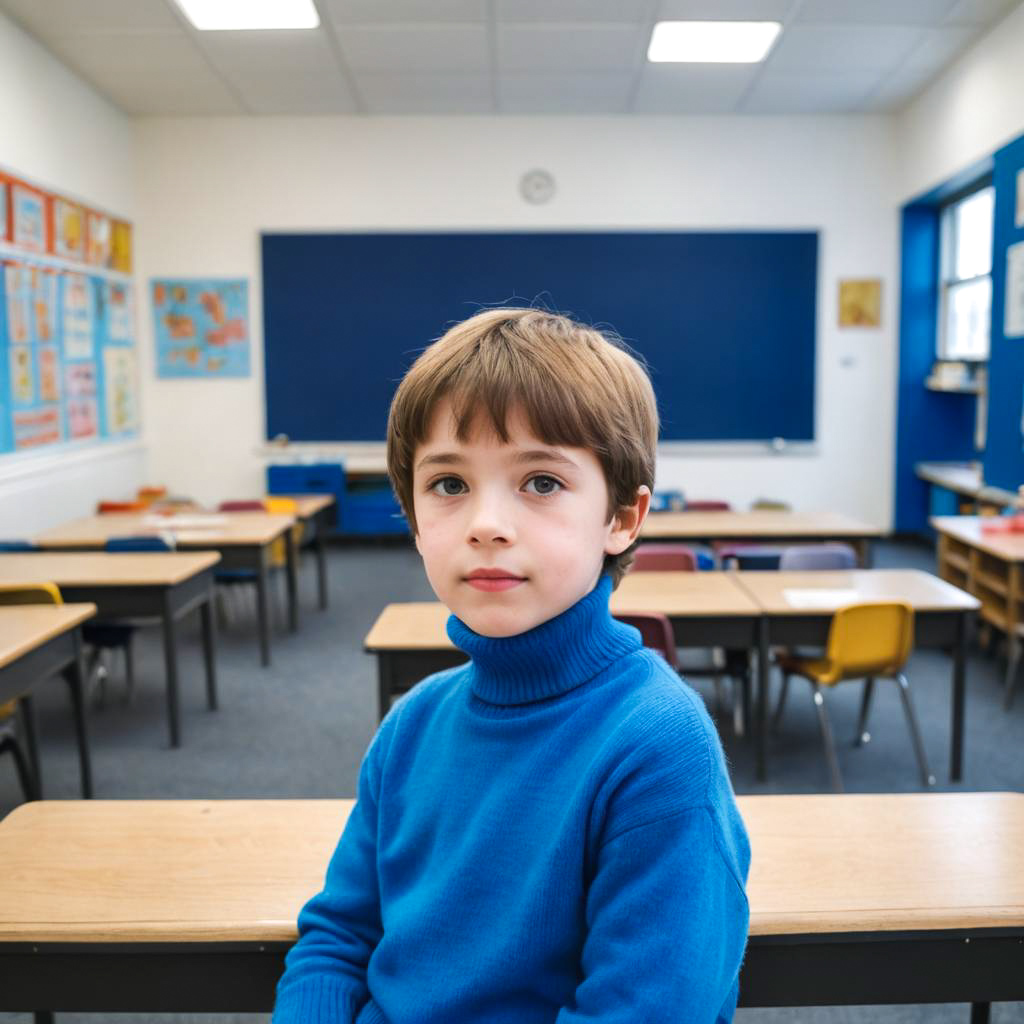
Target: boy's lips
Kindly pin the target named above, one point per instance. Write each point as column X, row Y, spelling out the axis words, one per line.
column 493, row 579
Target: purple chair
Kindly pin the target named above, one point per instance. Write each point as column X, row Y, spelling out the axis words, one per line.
column 818, row 557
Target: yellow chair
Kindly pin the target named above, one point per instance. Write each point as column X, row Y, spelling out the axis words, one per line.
column 865, row 641
column 284, row 507
column 11, row 594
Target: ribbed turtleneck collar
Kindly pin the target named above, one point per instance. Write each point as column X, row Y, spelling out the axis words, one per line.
column 550, row 659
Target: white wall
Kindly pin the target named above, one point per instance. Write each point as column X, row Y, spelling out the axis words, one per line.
column 972, row 109
column 56, row 132
column 207, row 188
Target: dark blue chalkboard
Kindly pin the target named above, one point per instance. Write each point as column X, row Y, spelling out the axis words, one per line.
column 726, row 320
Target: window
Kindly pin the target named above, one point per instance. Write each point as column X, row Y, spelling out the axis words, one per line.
column 965, row 283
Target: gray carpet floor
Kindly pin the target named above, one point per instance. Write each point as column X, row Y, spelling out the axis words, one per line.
column 300, row 727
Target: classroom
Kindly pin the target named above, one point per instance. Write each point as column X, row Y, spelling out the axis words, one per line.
column 229, row 228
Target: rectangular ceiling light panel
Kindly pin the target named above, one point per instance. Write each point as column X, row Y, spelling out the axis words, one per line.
column 712, row 42
column 242, row 15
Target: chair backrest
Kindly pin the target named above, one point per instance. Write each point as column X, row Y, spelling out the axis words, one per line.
column 281, row 506
column 708, row 506
column 242, row 506
column 750, row 557
column 655, row 631
column 17, row 545
column 770, row 505
column 30, row 593
column 108, row 507
column 818, row 556
column 126, row 544
column 664, row 558
column 873, row 638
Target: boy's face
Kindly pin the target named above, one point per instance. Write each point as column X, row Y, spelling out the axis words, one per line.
column 512, row 534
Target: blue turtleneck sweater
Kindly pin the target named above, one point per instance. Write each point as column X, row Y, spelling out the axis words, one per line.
column 546, row 834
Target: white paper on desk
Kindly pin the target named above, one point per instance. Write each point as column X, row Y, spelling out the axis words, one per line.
column 820, row 597
column 186, row 522
column 195, row 534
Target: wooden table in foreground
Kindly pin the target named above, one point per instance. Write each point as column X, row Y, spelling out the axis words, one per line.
column 134, row 585
column 243, row 541
column 707, row 609
column 797, row 609
column 777, row 527
column 991, row 567
column 190, row 906
column 36, row 642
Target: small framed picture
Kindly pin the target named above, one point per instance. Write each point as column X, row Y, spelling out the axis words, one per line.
column 860, row 302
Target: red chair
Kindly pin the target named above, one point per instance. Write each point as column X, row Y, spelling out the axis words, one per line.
column 664, row 558
column 708, row 506
column 655, row 631
column 241, row 506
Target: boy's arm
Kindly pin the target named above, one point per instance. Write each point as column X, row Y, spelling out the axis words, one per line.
column 667, row 924
column 325, row 971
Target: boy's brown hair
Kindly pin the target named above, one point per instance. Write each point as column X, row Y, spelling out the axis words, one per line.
column 575, row 387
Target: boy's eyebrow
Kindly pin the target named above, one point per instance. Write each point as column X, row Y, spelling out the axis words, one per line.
column 441, row 458
column 544, row 455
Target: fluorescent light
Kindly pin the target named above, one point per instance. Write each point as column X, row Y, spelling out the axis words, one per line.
column 712, row 42
column 236, row 15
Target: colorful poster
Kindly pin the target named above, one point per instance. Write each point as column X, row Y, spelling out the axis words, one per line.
column 80, row 387
column 119, row 379
column 68, row 230
column 78, row 317
column 121, row 246
column 3, row 211
column 28, row 218
column 44, row 304
column 201, row 328
column 19, row 303
column 23, row 381
column 49, row 373
column 120, row 315
column 97, row 240
column 40, row 426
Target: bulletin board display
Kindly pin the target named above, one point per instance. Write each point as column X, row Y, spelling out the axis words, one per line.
column 725, row 320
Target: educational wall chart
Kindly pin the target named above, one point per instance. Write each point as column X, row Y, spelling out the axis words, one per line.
column 68, row 369
column 201, row 327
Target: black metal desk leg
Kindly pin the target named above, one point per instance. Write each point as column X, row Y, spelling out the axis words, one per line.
column 763, row 670
column 28, row 727
column 980, row 1013
column 261, row 608
column 292, row 578
column 209, row 649
column 43, row 1017
column 171, row 667
column 956, row 752
column 321, row 558
column 74, row 674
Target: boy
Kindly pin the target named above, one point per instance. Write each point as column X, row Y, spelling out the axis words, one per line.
column 547, row 834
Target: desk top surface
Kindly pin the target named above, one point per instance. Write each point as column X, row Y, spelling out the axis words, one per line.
column 803, row 593
column 412, row 625
column 964, row 479
column 24, row 627
column 682, row 593
column 1007, row 546
column 198, row 870
column 104, row 569
column 190, row 530
column 761, row 524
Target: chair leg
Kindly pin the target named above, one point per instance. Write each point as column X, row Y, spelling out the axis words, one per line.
column 25, row 776
column 220, row 603
column 927, row 779
column 780, row 706
column 1013, row 653
column 129, row 670
column 826, row 735
column 863, row 736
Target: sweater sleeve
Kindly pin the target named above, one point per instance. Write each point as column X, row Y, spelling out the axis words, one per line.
column 667, row 920
column 339, row 928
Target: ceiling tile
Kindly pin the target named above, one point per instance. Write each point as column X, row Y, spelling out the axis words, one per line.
column 564, row 94
column 254, row 53
column 557, row 48
column 783, row 93
column 424, row 11
column 979, row 12
column 896, row 90
column 939, row 46
column 723, row 10
column 426, row 94
column 848, row 48
column 46, row 18
column 411, row 48
column 140, row 52
column 878, row 12
column 692, row 88
column 636, row 11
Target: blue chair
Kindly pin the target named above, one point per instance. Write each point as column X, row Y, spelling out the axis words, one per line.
column 750, row 557
column 109, row 636
column 17, row 545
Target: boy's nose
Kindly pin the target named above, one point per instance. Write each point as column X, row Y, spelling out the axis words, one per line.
column 490, row 522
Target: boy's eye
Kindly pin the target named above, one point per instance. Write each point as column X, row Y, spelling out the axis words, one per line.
column 448, row 486
column 543, row 485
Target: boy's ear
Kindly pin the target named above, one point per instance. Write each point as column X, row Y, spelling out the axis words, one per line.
column 627, row 521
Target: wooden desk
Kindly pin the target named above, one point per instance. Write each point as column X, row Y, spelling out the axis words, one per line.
column 133, row 585
column 707, row 609
column 767, row 525
column 243, row 541
column 318, row 514
column 990, row 566
column 941, row 618
column 37, row 642
column 190, row 906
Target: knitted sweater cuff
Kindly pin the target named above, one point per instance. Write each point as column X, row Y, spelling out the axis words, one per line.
column 317, row 1000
